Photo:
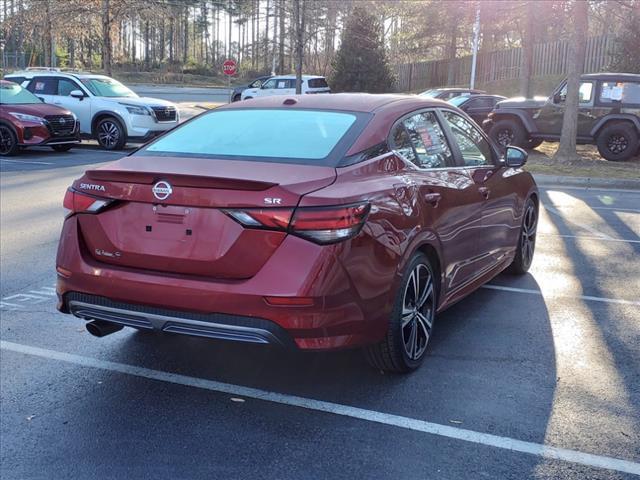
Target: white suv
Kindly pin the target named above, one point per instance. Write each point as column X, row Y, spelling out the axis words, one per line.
column 107, row 110
column 286, row 85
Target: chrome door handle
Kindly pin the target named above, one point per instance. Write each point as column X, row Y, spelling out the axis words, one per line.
column 433, row 198
column 484, row 191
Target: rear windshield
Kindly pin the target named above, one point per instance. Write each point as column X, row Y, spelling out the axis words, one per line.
column 317, row 83
column 295, row 136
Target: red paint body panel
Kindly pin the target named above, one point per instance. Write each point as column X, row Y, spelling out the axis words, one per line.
column 224, row 267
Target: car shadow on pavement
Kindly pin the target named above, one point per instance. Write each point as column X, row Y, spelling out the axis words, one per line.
column 490, row 368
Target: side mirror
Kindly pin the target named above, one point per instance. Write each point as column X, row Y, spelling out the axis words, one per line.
column 76, row 94
column 515, row 157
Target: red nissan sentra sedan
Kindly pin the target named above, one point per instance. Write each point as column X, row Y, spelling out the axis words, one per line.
column 317, row 222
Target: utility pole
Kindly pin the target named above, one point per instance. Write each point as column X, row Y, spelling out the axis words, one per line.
column 476, row 41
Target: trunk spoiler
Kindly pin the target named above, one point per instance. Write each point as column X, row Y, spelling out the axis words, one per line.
column 177, row 180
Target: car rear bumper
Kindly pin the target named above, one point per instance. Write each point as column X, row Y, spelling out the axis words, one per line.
column 337, row 316
column 218, row 326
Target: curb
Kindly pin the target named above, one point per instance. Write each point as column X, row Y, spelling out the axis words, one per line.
column 586, row 182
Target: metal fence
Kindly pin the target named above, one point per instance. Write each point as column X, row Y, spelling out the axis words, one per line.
column 548, row 59
column 12, row 60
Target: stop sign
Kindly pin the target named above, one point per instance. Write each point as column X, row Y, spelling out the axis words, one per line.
column 229, row 67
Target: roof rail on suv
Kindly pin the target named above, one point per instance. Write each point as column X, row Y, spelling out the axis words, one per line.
column 42, row 69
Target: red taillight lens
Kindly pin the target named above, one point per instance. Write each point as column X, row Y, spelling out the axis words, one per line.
column 270, row 218
column 77, row 202
column 330, row 224
column 318, row 224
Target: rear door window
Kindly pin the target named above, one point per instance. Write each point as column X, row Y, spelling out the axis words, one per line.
column 420, row 140
column 43, row 86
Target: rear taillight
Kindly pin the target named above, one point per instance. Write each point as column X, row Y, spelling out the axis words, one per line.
column 322, row 225
column 329, row 224
column 78, row 202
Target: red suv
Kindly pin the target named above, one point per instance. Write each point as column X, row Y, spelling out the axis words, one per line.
column 316, row 221
column 25, row 122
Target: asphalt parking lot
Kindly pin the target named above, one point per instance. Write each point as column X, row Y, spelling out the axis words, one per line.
column 529, row 377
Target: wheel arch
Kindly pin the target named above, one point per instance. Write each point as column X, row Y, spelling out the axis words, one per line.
column 615, row 118
column 513, row 114
column 104, row 114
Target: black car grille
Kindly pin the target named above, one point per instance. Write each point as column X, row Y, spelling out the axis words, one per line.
column 61, row 125
column 165, row 114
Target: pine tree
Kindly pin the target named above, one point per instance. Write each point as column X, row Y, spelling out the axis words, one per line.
column 361, row 65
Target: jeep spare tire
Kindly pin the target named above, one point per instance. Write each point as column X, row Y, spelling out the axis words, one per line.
column 618, row 141
column 509, row 132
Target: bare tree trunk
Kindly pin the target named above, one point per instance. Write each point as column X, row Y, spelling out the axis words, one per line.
column 48, row 45
column 281, row 41
column 147, row 52
column 106, row 37
column 299, row 18
column 171, row 33
column 577, row 47
column 185, row 36
column 453, row 50
column 527, row 51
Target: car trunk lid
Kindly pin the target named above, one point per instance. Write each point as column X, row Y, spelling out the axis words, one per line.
column 182, row 228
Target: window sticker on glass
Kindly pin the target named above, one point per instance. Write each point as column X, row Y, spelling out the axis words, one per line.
column 282, row 84
column 39, row 86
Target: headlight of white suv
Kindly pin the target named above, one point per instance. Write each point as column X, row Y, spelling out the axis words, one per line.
column 27, row 118
column 136, row 109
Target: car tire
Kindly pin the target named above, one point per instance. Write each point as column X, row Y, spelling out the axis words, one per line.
column 618, row 141
column 509, row 132
column 62, row 148
column 404, row 347
column 8, row 141
column 534, row 143
column 110, row 134
column 526, row 240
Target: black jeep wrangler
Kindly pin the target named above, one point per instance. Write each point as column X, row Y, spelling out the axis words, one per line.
column 609, row 116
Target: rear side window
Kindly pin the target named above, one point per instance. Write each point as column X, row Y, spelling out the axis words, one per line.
column 259, row 134
column 622, row 92
column 43, row 85
column 317, row 83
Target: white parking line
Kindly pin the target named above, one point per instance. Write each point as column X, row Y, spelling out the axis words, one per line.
column 537, row 449
column 561, row 295
column 25, row 161
column 588, row 237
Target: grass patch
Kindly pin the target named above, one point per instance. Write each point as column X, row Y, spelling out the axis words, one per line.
column 590, row 165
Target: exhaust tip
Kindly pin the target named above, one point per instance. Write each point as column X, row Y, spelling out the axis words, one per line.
column 99, row 328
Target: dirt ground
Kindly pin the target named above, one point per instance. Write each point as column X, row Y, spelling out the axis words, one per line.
column 591, row 164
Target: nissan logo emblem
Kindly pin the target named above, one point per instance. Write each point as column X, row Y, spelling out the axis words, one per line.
column 162, row 190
